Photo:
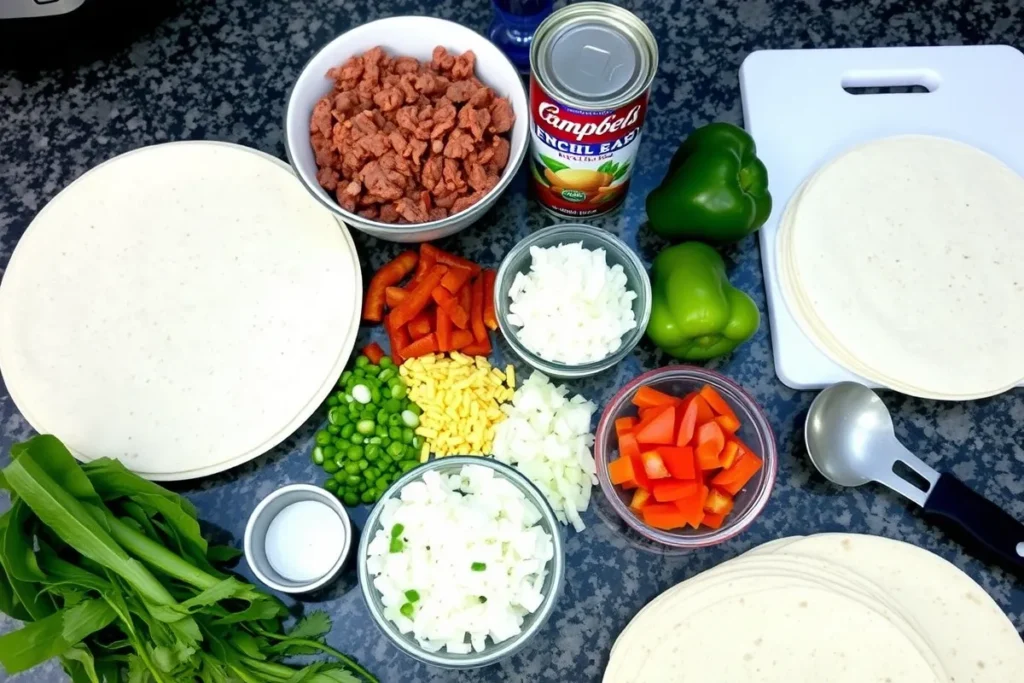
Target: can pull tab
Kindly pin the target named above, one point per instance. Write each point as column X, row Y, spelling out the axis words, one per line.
column 596, row 62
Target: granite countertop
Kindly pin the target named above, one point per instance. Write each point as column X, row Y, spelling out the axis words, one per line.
column 221, row 71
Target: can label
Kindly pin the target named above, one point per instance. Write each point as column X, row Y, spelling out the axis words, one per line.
column 582, row 159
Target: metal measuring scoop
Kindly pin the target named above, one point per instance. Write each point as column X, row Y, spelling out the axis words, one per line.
column 851, row 440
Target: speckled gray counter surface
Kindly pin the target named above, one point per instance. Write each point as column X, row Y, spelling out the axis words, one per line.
column 221, row 71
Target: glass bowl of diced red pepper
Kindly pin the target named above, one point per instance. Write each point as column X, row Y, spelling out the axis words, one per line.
column 685, row 456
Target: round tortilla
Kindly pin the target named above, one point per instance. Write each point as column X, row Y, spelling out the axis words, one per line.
column 182, row 308
column 769, row 629
column 900, row 260
column 968, row 631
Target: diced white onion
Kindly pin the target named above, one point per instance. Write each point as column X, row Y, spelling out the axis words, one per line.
column 547, row 437
column 448, row 525
column 572, row 307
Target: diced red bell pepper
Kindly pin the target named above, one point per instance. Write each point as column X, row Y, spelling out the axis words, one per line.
column 373, row 353
column 728, row 423
column 624, row 425
column 687, row 423
column 629, row 448
column 704, row 412
column 712, row 520
column 679, row 461
column 729, row 453
column 660, row 429
column 620, row 472
column 389, row 274
column 733, row 479
column 718, row 503
column 641, row 497
column 654, row 466
column 692, row 505
column 710, row 442
column 716, row 402
column 663, row 516
column 668, row 490
column 646, row 397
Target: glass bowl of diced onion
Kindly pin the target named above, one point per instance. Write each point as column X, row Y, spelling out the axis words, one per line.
column 617, row 253
column 532, row 622
column 755, row 431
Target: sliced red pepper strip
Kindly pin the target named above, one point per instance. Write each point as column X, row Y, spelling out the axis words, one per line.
column 461, row 339
column 490, row 318
column 660, row 429
column 476, row 315
column 624, row 425
column 394, row 296
column 443, row 324
column 420, row 325
column 477, row 348
column 717, row 403
column 455, row 278
column 398, row 337
column 451, row 306
column 421, row 347
column 466, row 300
column 373, row 353
column 427, row 261
column 447, row 258
column 390, row 274
column 678, row 460
column 418, row 297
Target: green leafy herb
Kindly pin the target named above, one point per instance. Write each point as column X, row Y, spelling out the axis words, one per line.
column 478, row 566
column 412, row 595
column 111, row 574
column 397, row 530
column 406, row 609
column 396, row 545
column 553, row 164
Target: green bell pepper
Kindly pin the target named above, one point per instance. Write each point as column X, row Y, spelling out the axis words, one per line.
column 716, row 189
column 695, row 313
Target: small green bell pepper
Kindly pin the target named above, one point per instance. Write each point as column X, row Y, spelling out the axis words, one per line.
column 716, row 189
column 695, row 313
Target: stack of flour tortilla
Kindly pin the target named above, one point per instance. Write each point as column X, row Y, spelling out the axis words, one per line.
column 901, row 260
column 842, row 608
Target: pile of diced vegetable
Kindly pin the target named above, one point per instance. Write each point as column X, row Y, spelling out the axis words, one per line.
column 370, row 438
column 447, row 304
column 682, row 458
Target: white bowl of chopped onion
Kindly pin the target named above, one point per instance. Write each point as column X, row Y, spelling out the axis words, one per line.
column 572, row 300
column 461, row 562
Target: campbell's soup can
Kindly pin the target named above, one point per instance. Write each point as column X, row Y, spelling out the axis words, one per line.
column 591, row 65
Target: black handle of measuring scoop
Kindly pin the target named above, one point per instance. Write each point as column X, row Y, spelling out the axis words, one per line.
column 980, row 525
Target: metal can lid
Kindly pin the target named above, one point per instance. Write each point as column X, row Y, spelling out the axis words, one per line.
column 594, row 54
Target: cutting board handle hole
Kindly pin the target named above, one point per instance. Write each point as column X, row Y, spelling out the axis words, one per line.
column 889, row 82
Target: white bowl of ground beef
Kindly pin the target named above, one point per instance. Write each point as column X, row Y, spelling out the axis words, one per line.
column 407, row 142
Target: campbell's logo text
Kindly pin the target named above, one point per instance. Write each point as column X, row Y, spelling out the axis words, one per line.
column 550, row 114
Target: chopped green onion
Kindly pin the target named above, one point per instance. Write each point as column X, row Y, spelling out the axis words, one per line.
column 412, row 595
column 397, row 530
column 365, row 427
column 361, row 393
column 410, row 419
column 478, row 566
column 406, row 610
column 396, row 545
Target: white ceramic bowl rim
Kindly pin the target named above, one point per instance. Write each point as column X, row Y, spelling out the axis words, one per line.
column 516, row 154
column 493, row 653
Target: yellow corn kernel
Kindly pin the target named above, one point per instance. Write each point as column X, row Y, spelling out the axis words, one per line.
column 510, row 376
column 424, row 452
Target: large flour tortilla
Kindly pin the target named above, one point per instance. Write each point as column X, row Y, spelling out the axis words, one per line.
column 938, row 623
column 903, row 260
column 183, row 308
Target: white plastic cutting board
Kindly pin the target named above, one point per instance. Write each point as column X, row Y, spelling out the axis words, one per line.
column 800, row 115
